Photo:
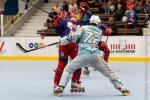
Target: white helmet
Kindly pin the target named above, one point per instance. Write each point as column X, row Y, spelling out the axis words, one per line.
column 95, row 19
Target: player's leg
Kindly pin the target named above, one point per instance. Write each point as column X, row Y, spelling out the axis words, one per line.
column 62, row 62
column 101, row 66
column 76, row 83
column 72, row 66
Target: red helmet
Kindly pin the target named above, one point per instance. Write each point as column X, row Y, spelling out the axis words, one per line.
column 85, row 6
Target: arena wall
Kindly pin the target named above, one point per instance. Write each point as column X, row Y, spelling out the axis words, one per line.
column 123, row 48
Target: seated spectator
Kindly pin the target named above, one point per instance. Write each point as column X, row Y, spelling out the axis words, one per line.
column 101, row 8
column 57, row 7
column 107, row 9
column 112, row 7
column 132, row 17
column 72, row 7
column 113, row 26
column 63, row 14
column 51, row 17
column 122, row 3
column 72, row 12
column 147, row 7
column 139, row 7
column 65, row 6
column 130, row 3
column 118, row 13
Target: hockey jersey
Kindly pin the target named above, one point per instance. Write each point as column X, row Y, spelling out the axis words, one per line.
column 67, row 26
column 88, row 38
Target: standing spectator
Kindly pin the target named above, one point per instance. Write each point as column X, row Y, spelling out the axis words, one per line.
column 26, row 5
column 130, row 3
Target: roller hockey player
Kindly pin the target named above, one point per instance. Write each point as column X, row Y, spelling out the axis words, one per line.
column 106, row 52
column 66, row 27
column 88, row 38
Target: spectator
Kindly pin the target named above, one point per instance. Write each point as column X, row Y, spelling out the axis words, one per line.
column 112, row 26
column 132, row 17
column 118, row 13
column 112, row 7
column 57, row 8
column 27, row 4
column 51, row 17
column 65, row 6
column 139, row 8
column 122, row 3
column 107, row 9
column 63, row 14
column 72, row 12
column 72, row 7
column 147, row 6
column 101, row 8
column 130, row 3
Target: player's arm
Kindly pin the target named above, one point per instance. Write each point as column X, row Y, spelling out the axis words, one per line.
column 72, row 37
column 60, row 28
column 103, row 47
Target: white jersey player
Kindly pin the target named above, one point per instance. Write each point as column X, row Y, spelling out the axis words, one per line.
column 88, row 38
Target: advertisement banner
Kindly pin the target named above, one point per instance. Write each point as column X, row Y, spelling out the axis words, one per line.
column 126, row 46
column 120, row 46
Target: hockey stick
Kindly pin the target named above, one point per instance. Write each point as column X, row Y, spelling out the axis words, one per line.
column 26, row 51
column 106, row 39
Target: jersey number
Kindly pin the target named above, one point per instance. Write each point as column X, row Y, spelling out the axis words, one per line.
column 90, row 38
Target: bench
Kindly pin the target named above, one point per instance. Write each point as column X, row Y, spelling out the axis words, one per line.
column 47, row 32
column 126, row 31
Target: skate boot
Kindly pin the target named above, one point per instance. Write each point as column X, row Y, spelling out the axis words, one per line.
column 58, row 90
column 77, row 87
column 86, row 71
column 124, row 91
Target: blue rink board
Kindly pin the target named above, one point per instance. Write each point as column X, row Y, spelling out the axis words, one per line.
column 33, row 80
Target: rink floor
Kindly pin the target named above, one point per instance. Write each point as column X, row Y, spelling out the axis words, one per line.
column 33, row 80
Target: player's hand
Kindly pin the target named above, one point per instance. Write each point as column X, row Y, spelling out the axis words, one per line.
column 108, row 31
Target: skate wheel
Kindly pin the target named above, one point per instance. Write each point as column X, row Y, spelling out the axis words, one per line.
column 83, row 90
column 79, row 90
column 126, row 94
column 71, row 90
column 57, row 94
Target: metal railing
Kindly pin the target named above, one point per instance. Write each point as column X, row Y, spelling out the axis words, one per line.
column 9, row 21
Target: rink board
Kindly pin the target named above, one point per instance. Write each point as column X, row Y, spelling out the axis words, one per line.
column 123, row 48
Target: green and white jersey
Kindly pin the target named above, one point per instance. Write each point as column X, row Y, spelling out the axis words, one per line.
column 87, row 37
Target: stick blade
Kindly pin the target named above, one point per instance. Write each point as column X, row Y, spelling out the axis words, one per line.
column 21, row 48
